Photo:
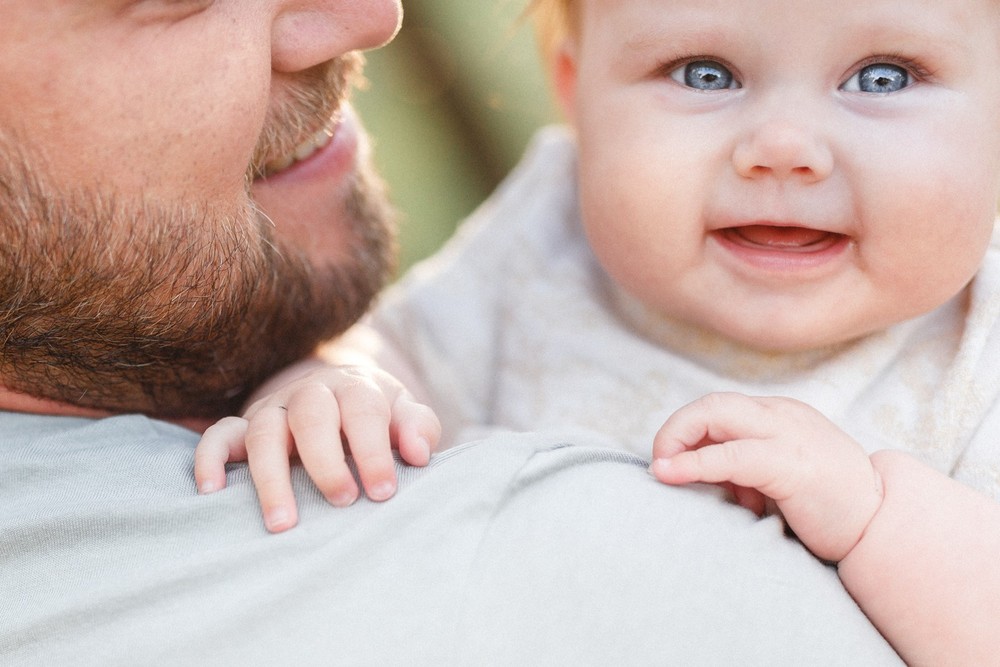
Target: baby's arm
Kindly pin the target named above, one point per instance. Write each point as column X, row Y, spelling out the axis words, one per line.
column 317, row 409
column 916, row 549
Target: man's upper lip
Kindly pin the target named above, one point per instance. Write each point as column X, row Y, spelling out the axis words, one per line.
column 305, row 149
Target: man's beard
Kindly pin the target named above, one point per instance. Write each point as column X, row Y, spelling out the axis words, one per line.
column 173, row 310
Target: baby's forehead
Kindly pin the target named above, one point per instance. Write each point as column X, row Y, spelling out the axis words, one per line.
column 894, row 27
column 873, row 17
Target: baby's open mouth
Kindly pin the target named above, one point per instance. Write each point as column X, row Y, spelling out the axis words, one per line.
column 781, row 238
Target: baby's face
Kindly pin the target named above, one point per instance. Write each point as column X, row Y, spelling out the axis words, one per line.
column 788, row 173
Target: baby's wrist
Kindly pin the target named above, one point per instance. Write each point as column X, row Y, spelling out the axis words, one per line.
column 876, row 502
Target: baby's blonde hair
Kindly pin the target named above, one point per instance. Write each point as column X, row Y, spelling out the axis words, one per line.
column 555, row 20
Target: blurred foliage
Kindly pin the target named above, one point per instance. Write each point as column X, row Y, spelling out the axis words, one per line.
column 451, row 104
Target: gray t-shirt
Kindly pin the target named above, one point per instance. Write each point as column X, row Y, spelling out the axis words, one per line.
column 514, row 549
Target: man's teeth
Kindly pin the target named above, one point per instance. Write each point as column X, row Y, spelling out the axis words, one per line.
column 304, row 150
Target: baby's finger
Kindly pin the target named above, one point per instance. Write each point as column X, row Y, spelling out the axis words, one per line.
column 713, row 418
column 747, row 463
column 222, row 443
column 314, row 420
column 269, row 444
column 275, row 400
column 415, row 430
column 364, row 414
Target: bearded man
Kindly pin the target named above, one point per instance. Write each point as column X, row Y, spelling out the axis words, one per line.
column 186, row 207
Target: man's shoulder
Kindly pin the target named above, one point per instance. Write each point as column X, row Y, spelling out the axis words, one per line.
column 63, row 442
column 573, row 549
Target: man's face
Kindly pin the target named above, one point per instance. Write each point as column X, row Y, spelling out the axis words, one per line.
column 185, row 198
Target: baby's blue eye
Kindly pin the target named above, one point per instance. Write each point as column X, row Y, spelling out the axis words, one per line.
column 878, row 78
column 704, row 75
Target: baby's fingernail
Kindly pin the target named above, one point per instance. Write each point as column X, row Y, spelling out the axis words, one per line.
column 207, row 487
column 382, row 491
column 277, row 519
column 659, row 466
column 345, row 499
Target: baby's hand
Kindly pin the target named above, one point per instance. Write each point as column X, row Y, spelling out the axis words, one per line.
column 307, row 417
column 821, row 479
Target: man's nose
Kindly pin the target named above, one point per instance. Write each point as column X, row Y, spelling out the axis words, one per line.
column 306, row 33
column 788, row 145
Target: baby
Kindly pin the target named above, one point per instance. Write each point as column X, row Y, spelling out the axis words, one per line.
column 762, row 250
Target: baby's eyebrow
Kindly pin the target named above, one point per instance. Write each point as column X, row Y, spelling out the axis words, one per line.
column 916, row 28
column 692, row 24
column 667, row 42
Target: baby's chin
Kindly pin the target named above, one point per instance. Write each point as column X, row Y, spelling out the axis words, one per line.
column 795, row 340
column 785, row 334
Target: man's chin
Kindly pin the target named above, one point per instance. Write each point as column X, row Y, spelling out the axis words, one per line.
column 173, row 312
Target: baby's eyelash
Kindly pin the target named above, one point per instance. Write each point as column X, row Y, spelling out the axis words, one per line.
column 915, row 67
column 667, row 66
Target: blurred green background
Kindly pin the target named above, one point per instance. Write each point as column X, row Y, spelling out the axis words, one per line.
column 451, row 105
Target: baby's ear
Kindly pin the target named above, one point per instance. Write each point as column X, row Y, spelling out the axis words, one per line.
column 564, row 72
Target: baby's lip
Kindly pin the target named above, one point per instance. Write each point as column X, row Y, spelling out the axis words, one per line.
column 781, row 237
column 783, row 250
